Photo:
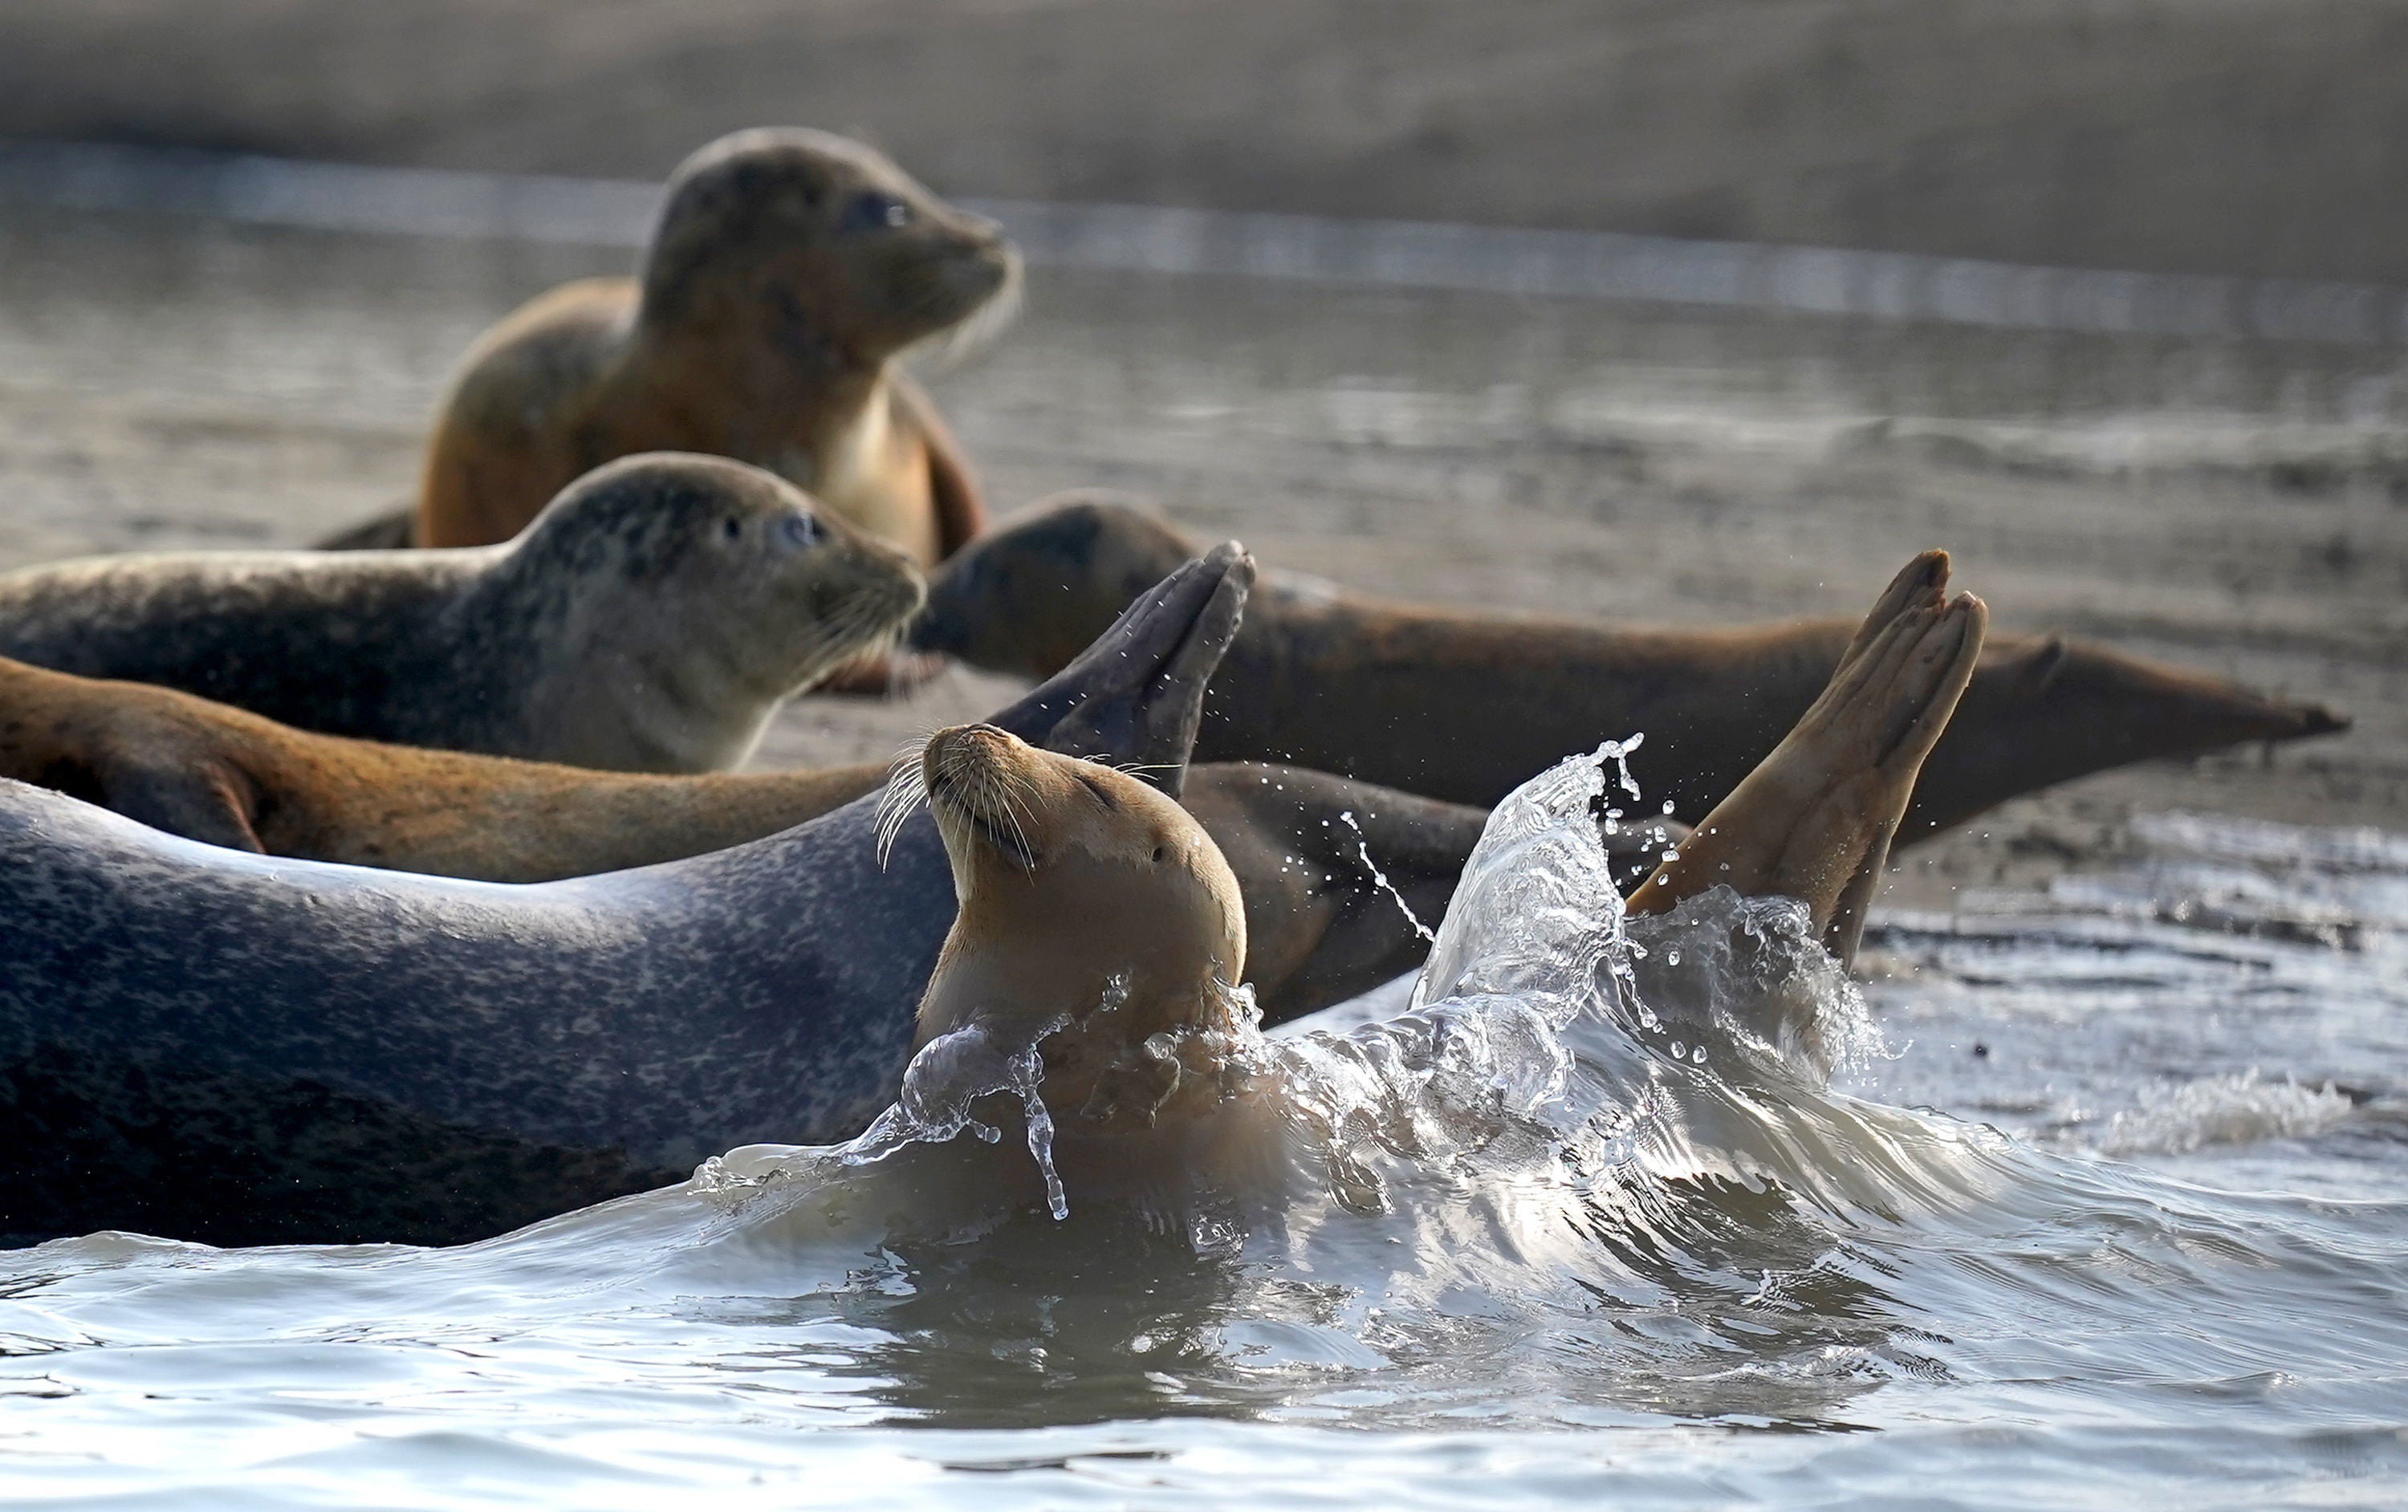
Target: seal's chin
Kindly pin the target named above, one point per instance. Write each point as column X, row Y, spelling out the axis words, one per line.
column 866, row 624
column 946, row 804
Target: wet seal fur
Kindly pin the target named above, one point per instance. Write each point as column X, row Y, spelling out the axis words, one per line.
column 788, row 270
column 1099, row 926
column 1324, row 928
column 651, row 619
column 192, row 1040
column 1465, row 705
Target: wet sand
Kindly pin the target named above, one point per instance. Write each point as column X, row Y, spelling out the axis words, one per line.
column 2238, row 507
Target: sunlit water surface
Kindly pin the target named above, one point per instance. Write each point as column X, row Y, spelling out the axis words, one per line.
column 1587, row 1225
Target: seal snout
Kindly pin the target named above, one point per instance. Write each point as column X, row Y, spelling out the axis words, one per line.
column 974, row 773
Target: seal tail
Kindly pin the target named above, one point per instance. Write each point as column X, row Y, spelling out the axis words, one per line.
column 2042, row 710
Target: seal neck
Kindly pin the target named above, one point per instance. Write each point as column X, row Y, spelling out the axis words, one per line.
column 569, row 677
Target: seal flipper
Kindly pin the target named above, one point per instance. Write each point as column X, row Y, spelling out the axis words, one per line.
column 1815, row 820
column 1136, row 696
column 952, row 489
column 202, row 800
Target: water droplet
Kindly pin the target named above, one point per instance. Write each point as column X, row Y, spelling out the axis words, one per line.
column 1671, row 958
column 1699, row 1055
column 1679, row 1049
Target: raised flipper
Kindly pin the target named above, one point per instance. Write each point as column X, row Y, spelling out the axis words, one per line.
column 1136, row 696
column 1815, row 820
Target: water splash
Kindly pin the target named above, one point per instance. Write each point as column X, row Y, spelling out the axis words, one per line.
column 1380, row 878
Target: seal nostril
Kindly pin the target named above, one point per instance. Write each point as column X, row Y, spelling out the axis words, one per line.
column 799, row 531
column 731, row 527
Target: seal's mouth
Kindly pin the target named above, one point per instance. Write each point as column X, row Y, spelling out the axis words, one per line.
column 864, row 621
column 970, row 779
column 944, row 796
column 986, row 282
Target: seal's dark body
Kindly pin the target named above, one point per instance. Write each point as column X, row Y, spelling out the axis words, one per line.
column 246, row 1050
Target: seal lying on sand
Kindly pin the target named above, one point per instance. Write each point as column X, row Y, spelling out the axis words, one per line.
column 787, row 271
column 651, row 619
column 1099, row 926
column 1323, row 929
column 1465, row 707
column 208, row 1045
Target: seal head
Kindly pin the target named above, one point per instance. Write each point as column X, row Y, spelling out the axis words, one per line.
column 822, row 242
column 1096, row 914
column 679, row 598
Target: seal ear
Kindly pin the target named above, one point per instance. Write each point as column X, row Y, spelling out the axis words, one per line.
column 205, row 800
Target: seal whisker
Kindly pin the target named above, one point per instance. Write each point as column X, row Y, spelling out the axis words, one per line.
column 906, row 790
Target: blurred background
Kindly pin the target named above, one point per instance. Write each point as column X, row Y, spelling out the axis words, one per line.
column 1693, row 310
column 2255, row 137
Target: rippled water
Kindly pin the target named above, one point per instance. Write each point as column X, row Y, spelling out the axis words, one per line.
column 1584, row 1225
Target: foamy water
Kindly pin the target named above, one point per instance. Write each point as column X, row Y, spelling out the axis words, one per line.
column 1594, row 1217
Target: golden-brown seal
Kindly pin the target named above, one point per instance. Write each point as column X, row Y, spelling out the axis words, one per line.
column 1099, row 926
column 651, row 619
column 1324, row 928
column 1465, row 705
column 788, row 269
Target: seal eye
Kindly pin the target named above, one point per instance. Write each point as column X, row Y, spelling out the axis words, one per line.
column 799, row 531
column 876, row 211
column 731, row 527
column 1158, row 853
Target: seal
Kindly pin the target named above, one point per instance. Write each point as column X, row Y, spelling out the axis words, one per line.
column 215, row 1045
column 787, row 271
column 1100, row 926
column 1316, row 856
column 1465, row 707
column 652, row 619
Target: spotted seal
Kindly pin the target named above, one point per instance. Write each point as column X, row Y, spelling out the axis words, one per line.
column 651, row 619
column 208, row 1045
column 1465, row 705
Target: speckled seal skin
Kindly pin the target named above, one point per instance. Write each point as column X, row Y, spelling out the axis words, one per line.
column 191, row 1039
column 1465, row 705
column 788, row 270
column 1322, row 928
column 652, row 619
